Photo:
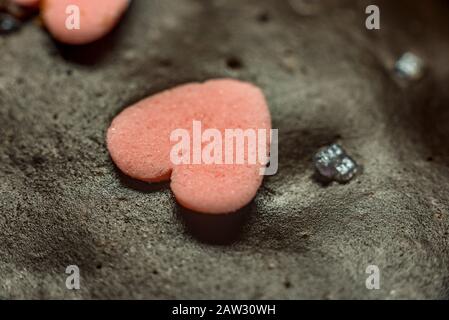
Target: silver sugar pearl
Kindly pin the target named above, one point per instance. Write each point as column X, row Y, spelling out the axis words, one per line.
column 333, row 164
column 410, row 66
column 346, row 169
column 325, row 158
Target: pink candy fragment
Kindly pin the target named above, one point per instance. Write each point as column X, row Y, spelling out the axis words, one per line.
column 79, row 21
column 97, row 18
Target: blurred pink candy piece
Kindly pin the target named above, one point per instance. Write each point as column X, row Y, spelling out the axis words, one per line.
column 96, row 18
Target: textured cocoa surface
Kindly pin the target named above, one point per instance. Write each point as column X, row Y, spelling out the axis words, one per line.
column 327, row 79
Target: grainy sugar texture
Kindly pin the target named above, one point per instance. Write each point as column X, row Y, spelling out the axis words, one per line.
column 327, row 80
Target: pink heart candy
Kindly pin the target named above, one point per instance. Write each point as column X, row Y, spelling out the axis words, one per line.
column 140, row 142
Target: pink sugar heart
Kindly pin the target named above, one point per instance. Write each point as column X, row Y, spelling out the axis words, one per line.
column 139, row 142
column 97, row 18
